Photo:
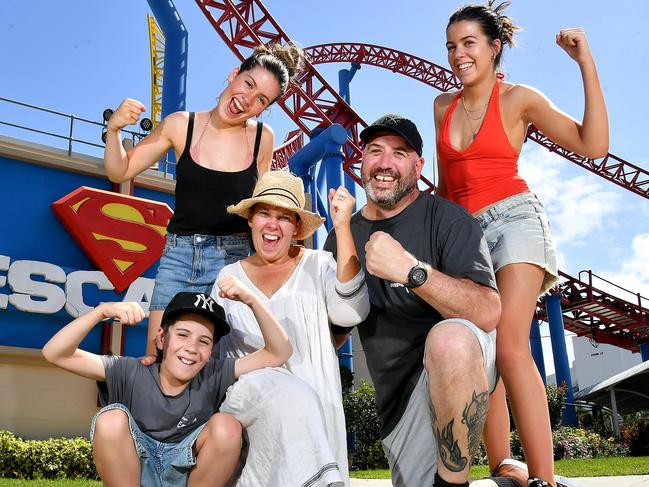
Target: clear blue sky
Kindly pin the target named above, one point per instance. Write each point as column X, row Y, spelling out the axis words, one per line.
column 81, row 56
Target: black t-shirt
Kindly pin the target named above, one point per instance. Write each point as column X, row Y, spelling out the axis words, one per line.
column 393, row 336
column 165, row 418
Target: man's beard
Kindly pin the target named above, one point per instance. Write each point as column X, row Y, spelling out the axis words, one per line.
column 388, row 199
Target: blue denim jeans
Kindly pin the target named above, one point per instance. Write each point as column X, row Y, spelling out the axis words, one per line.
column 192, row 262
column 162, row 464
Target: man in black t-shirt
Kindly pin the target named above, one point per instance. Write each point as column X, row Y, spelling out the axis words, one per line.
column 429, row 339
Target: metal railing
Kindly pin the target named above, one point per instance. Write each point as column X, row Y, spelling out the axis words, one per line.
column 76, row 132
column 638, row 296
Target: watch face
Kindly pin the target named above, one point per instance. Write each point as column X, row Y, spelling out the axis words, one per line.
column 419, row 275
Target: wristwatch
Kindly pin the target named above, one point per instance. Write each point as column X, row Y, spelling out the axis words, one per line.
column 417, row 276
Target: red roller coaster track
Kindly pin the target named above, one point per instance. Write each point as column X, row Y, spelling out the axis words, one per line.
column 311, row 102
column 611, row 167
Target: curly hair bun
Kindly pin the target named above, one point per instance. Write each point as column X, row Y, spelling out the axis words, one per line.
column 507, row 27
column 291, row 56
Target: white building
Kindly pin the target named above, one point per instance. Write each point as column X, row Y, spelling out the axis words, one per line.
column 597, row 362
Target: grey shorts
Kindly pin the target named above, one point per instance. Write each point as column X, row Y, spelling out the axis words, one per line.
column 517, row 231
column 410, row 447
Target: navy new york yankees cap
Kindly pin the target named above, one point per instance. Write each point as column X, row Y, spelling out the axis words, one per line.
column 202, row 304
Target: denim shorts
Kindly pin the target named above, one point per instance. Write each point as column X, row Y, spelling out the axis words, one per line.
column 162, row 464
column 517, row 231
column 192, row 262
column 413, row 433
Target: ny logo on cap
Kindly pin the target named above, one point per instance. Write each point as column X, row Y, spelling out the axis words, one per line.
column 392, row 119
column 204, row 302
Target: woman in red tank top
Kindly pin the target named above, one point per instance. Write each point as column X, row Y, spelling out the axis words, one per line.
column 480, row 133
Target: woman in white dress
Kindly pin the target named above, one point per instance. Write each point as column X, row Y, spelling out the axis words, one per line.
column 296, row 428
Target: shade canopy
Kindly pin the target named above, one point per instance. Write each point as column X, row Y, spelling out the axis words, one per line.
column 631, row 390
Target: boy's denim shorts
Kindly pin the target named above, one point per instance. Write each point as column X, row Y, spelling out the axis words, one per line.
column 517, row 231
column 192, row 262
column 162, row 464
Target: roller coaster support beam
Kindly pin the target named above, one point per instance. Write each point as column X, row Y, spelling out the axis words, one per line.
column 560, row 355
column 345, row 77
column 644, row 351
column 175, row 65
column 326, row 146
column 537, row 349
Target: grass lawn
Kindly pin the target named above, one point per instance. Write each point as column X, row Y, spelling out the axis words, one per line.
column 579, row 467
column 49, row 483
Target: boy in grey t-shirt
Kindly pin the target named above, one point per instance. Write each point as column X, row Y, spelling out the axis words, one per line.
column 161, row 424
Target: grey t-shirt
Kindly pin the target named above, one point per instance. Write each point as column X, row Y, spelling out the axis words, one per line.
column 393, row 335
column 166, row 418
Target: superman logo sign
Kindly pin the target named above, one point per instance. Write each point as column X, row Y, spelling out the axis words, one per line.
column 122, row 235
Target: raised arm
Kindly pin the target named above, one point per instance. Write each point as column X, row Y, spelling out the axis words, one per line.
column 341, row 204
column 122, row 165
column 277, row 348
column 62, row 349
column 589, row 138
column 348, row 301
column 452, row 297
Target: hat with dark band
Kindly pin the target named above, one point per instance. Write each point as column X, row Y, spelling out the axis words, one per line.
column 283, row 190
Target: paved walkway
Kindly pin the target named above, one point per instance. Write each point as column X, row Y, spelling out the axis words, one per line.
column 625, row 481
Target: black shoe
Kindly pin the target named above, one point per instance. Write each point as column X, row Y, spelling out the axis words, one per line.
column 536, row 482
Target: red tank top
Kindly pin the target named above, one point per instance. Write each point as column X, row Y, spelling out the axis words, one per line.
column 487, row 170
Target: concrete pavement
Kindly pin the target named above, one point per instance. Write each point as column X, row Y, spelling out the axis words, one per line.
column 622, row 481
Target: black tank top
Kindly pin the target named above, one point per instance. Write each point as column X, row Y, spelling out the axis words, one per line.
column 203, row 194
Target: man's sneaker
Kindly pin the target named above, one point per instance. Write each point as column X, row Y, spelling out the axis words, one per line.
column 536, row 482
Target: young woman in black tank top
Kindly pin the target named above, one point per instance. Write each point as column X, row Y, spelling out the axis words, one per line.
column 220, row 154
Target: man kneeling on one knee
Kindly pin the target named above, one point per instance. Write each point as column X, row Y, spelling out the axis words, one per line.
column 429, row 339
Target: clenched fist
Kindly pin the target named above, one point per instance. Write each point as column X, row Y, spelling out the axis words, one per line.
column 575, row 43
column 341, row 205
column 387, row 259
column 128, row 113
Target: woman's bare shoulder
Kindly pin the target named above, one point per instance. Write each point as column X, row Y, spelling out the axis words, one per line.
column 445, row 99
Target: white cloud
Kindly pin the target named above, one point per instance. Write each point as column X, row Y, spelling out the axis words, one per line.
column 633, row 273
column 577, row 206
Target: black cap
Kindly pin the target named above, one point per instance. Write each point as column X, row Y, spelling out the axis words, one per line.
column 400, row 125
column 202, row 304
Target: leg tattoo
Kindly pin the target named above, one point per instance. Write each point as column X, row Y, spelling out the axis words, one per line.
column 474, row 416
column 449, row 450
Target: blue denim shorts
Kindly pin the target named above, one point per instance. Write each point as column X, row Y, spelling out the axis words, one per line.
column 192, row 262
column 162, row 464
column 517, row 231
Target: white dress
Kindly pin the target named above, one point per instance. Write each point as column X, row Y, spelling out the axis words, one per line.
column 305, row 305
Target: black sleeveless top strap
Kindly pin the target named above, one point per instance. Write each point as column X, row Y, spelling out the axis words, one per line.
column 203, row 194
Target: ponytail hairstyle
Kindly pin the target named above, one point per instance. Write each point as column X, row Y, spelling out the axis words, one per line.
column 494, row 24
column 284, row 62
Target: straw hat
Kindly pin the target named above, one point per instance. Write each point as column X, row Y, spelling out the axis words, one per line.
column 283, row 190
